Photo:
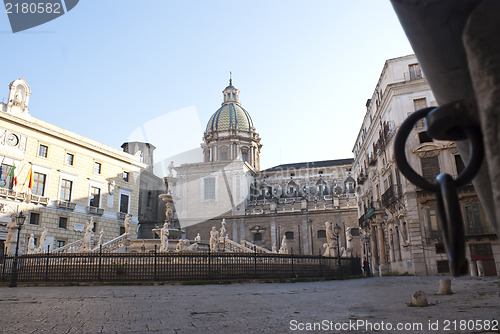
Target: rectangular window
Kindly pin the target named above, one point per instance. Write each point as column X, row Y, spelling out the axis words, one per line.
column 434, row 222
column 209, row 189
column 443, row 266
column 124, row 203
column 69, row 159
column 419, row 104
column 34, row 218
column 473, row 221
column 459, row 163
column 66, row 186
column 38, row 184
column 95, row 196
column 415, row 72
column 423, row 137
column 223, row 155
column 97, row 167
column 60, row 243
column 125, row 176
column 430, row 168
column 43, row 151
column 122, row 230
column 63, row 222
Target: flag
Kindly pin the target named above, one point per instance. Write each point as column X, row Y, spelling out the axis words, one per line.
column 30, row 180
column 13, row 175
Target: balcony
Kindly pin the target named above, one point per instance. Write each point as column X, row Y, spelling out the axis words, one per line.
column 392, row 195
column 95, row 211
column 372, row 160
column 39, row 199
column 12, row 194
column 66, row 205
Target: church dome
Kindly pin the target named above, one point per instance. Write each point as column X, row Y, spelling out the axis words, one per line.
column 230, row 116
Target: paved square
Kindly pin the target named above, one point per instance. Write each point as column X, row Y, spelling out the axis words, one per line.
column 246, row 307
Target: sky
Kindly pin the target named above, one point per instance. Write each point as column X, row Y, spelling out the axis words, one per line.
column 154, row 70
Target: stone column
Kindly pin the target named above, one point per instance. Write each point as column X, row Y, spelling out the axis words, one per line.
column 381, row 245
column 373, row 241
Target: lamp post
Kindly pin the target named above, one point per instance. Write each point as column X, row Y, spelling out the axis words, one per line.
column 337, row 229
column 20, row 218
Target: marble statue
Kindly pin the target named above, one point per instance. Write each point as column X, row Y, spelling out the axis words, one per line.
column 330, row 240
column 111, row 187
column 31, row 244
column 348, row 238
column 222, row 231
column 18, row 98
column 284, row 246
column 164, row 233
column 101, row 234
column 87, row 238
column 214, row 238
column 170, row 169
column 197, row 238
column 274, row 249
column 42, row 240
column 11, row 234
column 126, row 223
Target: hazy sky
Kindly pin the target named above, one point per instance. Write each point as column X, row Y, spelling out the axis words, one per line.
column 119, row 70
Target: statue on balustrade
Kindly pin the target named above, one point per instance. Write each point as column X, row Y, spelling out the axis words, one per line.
column 87, row 238
column 330, row 240
column 197, row 238
column 126, row 223
column 284, row 246
column 31, row 244
column 214, row 239
column 42, row 240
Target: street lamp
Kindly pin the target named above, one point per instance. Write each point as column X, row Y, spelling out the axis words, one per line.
column 20, row 218
column 337, row 229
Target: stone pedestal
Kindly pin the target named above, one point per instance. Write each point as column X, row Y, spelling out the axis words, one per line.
column 444, row 287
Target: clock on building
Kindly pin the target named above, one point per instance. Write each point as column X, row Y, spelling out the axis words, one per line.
column 12, row 139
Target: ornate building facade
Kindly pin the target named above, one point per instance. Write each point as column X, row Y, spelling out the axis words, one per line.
column 59, row 180
column 400, row 221
column 293, row 200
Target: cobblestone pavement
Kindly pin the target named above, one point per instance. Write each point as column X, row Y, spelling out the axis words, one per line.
column 252, row 307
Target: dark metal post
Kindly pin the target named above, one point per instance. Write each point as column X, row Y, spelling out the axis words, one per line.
column 47, row 264
column 13, row 278
column 293, row 271
column 100, row 262
column 255, row 260
column 154, row 277
column 300, row 246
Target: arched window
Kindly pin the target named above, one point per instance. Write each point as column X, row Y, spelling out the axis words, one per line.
column 290, row 235
column 223, row 153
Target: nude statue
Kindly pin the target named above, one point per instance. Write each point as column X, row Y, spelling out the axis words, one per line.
column 42, row 240
column 11, row 234
column 197, row 238
column 284, row 246
column 126, row 223
column 164, row 233
column 31, row 244
column 87, row 238
column 214, row 239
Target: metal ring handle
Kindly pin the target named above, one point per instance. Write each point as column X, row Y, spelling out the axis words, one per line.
column 399, row 149
column 476, row 155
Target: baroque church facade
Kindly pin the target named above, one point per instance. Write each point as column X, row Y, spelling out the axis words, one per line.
column 261, row 206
